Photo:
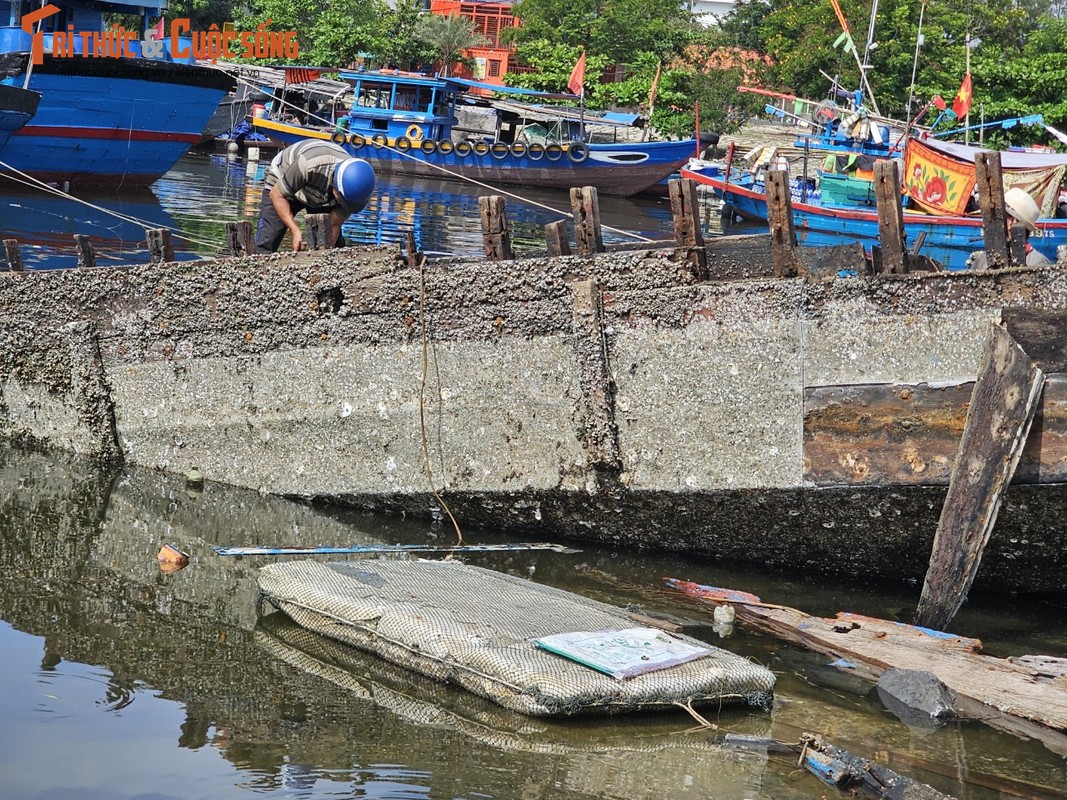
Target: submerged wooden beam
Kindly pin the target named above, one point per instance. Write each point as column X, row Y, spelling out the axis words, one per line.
column 998, row 421
column 1011, row 697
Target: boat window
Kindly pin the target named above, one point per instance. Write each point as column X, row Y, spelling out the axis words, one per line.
column 627, row 157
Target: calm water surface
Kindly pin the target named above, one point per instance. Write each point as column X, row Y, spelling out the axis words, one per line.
column 206, row 190
column 121, row 682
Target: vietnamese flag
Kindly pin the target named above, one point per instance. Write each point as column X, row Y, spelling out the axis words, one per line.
column 577, row 79
column 962, row 104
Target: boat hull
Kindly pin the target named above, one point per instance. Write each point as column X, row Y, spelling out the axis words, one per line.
column 17, row 107
column 948, row 240
column 113, row 121
column 615, row 169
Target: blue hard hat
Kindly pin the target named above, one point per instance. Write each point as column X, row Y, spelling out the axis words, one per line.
column 354, row 181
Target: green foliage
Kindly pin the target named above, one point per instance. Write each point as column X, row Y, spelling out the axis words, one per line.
column 330, row 34
column 615, row 29
column 203, row 13
column 447, row 37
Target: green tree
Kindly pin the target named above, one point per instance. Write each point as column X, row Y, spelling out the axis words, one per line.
column 448, row 37
column 330, row 34
column 397, row 44
column 202, row 14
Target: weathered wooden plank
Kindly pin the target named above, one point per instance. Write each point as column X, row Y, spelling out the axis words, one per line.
column 998, row 421
column 990, row 185
column 160, row 246
column 893, row 435
column 598, row 388
column 496, row 235
column 585, row 206
column 688, row 232
column 13, row 255
column 556, row 238
column 86, row 254
column 239, row 237
column 890, row 218
column 780, row 222
column 1007, row 696
column 1042, row 334
column 317, row 230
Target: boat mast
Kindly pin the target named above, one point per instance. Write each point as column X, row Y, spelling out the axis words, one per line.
column 915, row 61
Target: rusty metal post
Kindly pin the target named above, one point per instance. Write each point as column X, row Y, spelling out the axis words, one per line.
column 317, row 231
column 556, row 239
column 160, row 246
column 990, row 182
column 688, row 234
column 496, row 238
column 585, row 205
column 86, row 254
column 890, row 218
column 14, row 256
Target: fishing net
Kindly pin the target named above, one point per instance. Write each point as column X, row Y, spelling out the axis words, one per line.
column 476, row 628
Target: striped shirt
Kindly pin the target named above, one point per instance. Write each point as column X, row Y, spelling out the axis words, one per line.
column 304, row 171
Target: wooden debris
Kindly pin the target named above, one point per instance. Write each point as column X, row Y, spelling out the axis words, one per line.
column 688, row 233
column 1016, row 698
column 317, row 231
column 890, row 218
column 239, row 238
column 780, row 221
column 556, row 239
column 990, row 184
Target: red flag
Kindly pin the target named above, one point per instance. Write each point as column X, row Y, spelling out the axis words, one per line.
column 962, row 104
column 939, row 103
column 577, row 79
column 157, row 33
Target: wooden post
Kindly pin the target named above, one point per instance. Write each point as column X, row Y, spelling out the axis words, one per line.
column 687, row 231
column 1003, row 404
column 585, row 206
column 780, row 220
column 556, row 238
column 239, row 238
column 598, row 388
column 496, row 238
column 317, row 231
column 14, row 256
column 1017, row 244
column 990, row 182
column 890, row 217
column 160, row 246
column 86, row 255
column 411, row 249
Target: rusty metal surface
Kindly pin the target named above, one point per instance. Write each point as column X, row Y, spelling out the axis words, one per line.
column 889, row 435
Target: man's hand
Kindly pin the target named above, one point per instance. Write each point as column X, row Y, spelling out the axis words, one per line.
column 285, row 214
column 298, row 240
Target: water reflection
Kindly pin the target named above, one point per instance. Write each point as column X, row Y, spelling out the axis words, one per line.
column 172, row 685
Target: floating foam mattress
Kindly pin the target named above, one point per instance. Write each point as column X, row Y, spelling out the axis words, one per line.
column 531, row 648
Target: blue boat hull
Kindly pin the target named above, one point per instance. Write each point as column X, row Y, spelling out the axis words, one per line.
column 113, row 121
column 616, row 169
column 948, row 240
column 17, row 107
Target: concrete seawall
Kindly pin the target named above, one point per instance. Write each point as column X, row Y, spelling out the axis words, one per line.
column 612, row 397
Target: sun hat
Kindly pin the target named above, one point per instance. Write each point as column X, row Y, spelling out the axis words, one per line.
column 1021, row 205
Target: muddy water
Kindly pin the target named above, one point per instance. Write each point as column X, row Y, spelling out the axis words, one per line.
column 119, row 681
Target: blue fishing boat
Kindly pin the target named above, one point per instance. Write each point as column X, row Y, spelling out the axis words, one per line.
column 17, row 107
column 103, row 119
column 938, row 180
column 409, row 124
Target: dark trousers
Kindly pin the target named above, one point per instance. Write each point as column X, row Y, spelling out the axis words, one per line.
column 272, row 230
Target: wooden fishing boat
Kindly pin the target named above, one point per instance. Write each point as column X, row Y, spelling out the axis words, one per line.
column 407, row 124
column 17, row 107
column 938, row 178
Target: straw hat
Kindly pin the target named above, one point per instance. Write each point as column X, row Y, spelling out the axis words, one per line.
column 1022, row 206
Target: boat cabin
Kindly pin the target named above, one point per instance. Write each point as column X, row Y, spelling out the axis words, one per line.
column 398, row 104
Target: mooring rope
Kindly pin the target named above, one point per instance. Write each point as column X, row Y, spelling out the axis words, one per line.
column 422, row 395
column 25, row 179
